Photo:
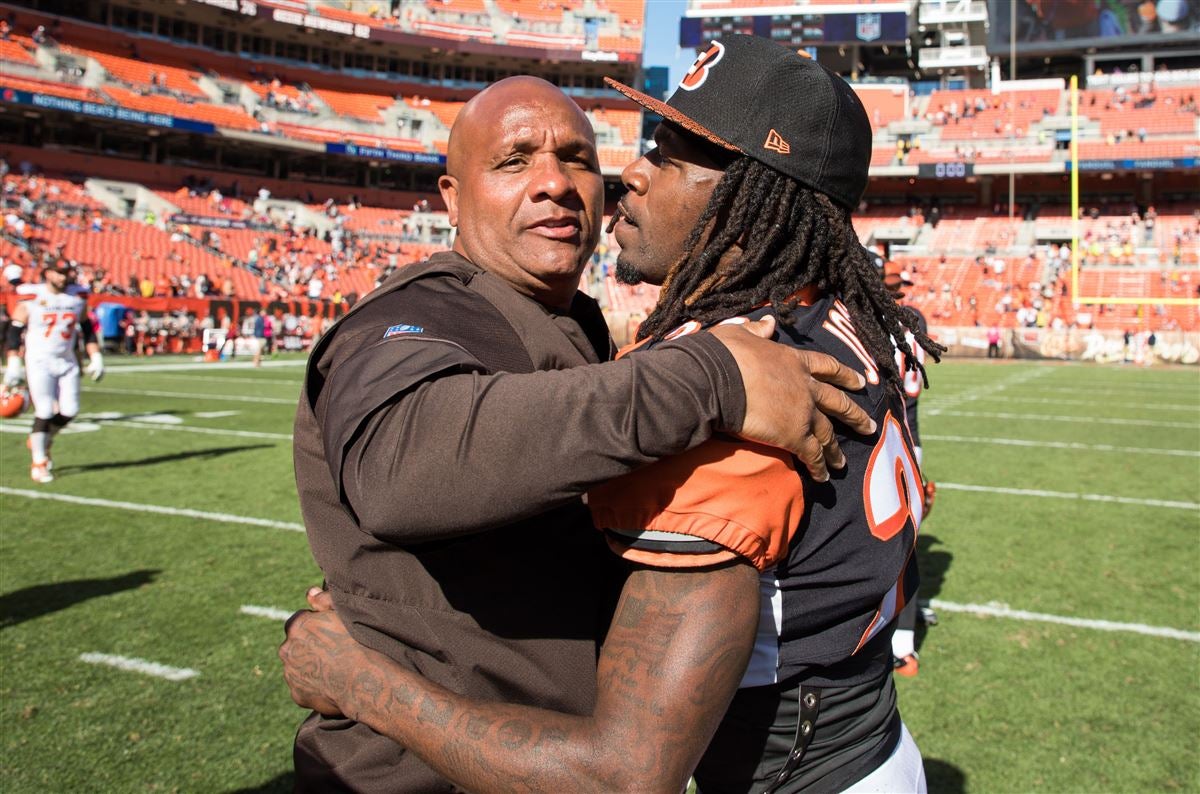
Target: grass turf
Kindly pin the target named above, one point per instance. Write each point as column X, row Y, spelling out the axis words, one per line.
column 1000, row 704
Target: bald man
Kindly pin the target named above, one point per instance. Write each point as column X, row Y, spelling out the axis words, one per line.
column 450, row 423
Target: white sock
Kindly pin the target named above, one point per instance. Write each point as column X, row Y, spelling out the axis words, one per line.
column 903, row 643
column 37, row 445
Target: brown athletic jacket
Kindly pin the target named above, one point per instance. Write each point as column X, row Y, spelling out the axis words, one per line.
column 443, row 439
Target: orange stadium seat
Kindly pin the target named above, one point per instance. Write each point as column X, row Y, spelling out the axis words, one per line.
column 1165, row 115
column 203, row 205
column 128, row 248
column 883, row 156
column 322, row 135
column 219, row 115
column 143, row 74
column 457, row 6
column 375, row 220
column 629, row 12
column 262, row 90
column 364, row 107
column 884, row 105
column 45, row 87
column 15, row 53
column 346, row 15
column 523, row 10
column 628, row 122
column 446, row 112
column 1131, row 148
column 620, row 43
column 617, row 156
column 451, row 30
column 1007, row 113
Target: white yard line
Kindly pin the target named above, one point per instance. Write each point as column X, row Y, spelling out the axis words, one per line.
column 135, row 665
column 209, row 366
column 271, row 613
column 292, row 383
column 208, row 431
column 203, row 515
column 1095, row 402
column 1092, row 387
column 992, row 610
column 1089, row 420
column 1005, row 611
column 1039, row 444
column 986, row 390
column 1085, row 497
column 194, row 396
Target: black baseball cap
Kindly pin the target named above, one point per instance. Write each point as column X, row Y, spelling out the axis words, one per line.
column 753, row 96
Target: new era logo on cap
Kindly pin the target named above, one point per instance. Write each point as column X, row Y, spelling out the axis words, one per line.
column 754, row 96
column 776, row 143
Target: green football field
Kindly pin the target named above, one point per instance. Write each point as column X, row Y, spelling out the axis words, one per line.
column 143, row 591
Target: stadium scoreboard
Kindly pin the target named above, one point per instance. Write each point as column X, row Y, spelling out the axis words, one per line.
column 950, row 170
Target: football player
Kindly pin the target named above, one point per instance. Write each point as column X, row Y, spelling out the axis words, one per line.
column 904, row 651
column 52, row 320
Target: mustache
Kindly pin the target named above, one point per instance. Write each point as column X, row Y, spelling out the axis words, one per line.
column 622, row 212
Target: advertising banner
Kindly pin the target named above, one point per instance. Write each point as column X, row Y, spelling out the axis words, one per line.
column 97, row 110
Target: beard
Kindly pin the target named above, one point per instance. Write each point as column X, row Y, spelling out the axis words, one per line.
column 625, row 273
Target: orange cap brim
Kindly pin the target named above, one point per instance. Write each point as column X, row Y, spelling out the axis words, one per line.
column 671, row 114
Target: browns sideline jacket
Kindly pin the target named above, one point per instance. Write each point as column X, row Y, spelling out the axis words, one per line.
column 440, row 483
column 836, row 559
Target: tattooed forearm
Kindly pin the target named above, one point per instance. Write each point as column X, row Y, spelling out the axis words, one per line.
column 672, row 660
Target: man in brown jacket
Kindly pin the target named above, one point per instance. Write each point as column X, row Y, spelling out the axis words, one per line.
column 451, row 422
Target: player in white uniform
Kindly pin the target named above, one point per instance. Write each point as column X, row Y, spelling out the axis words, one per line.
column 52, row 319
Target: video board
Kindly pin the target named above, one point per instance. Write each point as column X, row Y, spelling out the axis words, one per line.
column 1063, row 25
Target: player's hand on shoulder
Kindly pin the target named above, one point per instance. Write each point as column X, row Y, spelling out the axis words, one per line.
column 791, row 395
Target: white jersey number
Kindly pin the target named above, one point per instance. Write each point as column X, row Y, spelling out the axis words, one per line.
column 892, row 490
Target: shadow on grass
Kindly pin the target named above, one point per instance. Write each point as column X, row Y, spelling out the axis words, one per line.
column 944, row 778
column 201, row 454
column 932, row 563
column 43, row 599
column 278, row 785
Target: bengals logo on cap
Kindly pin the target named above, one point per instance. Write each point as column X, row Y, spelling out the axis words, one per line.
column 696, row 75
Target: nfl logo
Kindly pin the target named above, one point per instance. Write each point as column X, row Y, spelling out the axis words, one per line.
column 870, row 26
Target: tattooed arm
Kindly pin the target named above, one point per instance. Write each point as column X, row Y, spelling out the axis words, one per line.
column 677, row 648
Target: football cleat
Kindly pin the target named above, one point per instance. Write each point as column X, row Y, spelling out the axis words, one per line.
column 926, row 615
column 13, row 401
column 40, row 473
column 907, row 667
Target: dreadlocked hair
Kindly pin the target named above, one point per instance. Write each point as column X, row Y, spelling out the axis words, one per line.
column 792, row 237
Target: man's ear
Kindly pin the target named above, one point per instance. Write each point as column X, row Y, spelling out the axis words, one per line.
column 448, row 186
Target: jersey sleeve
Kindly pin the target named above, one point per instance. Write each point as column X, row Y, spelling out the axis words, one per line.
column 373, row 369
column 722, row 500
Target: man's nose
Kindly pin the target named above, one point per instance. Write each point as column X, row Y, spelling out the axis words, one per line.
column 634, row 176
column 550, row 179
